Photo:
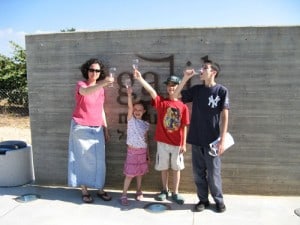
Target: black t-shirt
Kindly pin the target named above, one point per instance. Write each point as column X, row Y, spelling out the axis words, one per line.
column 208, row 103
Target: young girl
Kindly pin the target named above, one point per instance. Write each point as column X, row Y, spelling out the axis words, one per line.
column 137, row 159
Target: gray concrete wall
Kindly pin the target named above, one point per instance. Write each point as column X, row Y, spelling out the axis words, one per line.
column 260, row 67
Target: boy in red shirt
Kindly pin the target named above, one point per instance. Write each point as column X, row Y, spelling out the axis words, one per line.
column 171, row 131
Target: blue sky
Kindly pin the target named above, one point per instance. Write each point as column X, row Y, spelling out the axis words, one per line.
column 21, row 17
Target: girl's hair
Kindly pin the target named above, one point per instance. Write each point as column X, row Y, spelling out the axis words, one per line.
column 145, row 115
column 85, row 67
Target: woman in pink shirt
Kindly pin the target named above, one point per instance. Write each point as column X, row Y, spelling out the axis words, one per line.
column 88, row 132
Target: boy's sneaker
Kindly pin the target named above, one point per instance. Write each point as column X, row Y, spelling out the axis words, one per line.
column 162, row 196
column 178, row 198
column 220, row 207
column 200, row 206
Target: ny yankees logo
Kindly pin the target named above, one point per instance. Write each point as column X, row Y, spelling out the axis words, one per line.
column 213, row 102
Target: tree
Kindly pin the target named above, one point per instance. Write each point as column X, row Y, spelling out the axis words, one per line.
column 68, row 30
column 13, row 76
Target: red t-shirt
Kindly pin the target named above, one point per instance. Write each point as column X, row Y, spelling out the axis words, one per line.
column 172, row 116
column 88, row 109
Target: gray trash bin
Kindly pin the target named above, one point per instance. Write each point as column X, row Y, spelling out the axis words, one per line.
column 16, row 163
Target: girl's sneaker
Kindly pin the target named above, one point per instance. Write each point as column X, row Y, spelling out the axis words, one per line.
column 124, row 200
column 139, row 196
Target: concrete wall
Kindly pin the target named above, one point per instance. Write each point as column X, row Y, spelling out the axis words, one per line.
column 260, row 67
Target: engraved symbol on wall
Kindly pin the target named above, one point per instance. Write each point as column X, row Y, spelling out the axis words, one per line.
column 153, row 77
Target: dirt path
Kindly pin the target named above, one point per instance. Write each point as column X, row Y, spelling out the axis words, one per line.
column 15, row 128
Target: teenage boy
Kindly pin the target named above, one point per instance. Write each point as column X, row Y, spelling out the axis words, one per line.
column 209, row 120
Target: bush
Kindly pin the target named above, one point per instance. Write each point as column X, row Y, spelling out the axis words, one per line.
column 13, row 77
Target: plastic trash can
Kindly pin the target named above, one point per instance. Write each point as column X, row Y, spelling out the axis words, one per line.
column 16, row 163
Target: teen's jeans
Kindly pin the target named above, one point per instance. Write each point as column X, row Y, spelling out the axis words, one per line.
column 207, row 174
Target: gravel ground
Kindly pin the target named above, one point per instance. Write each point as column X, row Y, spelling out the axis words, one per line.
column 15, row 128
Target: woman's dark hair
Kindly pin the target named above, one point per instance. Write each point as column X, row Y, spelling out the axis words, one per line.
column 85, row 67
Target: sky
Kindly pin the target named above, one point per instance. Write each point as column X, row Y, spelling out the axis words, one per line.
column 21, row 17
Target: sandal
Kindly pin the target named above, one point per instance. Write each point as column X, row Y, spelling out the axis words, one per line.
column 104, row 196
column 87, row 198
column 139, row 196
column 124, row 200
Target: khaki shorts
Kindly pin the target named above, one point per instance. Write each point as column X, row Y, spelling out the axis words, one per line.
column 167, row 154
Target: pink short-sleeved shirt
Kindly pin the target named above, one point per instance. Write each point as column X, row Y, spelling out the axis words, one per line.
column 88, row 109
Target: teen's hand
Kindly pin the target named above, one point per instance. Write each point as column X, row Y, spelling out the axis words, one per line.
column 221, row 146
column 188, row 73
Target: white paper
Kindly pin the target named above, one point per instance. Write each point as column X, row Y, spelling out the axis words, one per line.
column 228, row 143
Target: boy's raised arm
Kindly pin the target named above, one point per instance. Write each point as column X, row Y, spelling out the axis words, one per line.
column 186, row 76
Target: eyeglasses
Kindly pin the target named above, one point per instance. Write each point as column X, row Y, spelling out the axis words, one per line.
column 93, row 70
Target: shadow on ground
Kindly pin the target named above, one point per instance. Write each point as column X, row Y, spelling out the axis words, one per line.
column 72, row 195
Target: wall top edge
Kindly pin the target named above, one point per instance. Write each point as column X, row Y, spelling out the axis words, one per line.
column 165, row 29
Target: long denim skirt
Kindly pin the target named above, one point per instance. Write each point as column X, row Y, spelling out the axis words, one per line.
column 86, row 164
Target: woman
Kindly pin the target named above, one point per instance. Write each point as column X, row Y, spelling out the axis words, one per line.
column 88, row 132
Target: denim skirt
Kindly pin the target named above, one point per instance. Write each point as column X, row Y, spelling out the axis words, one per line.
column 86, row 162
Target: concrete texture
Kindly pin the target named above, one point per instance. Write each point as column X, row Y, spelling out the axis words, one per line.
column 260, row 67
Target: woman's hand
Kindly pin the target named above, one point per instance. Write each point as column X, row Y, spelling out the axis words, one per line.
column 106, row 134
column 109, row 80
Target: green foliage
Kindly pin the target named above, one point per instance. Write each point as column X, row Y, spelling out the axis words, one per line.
column 68, row 30
column 13, row 76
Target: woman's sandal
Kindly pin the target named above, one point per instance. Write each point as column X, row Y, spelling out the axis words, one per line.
column 104, row 196
column 87, row 198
